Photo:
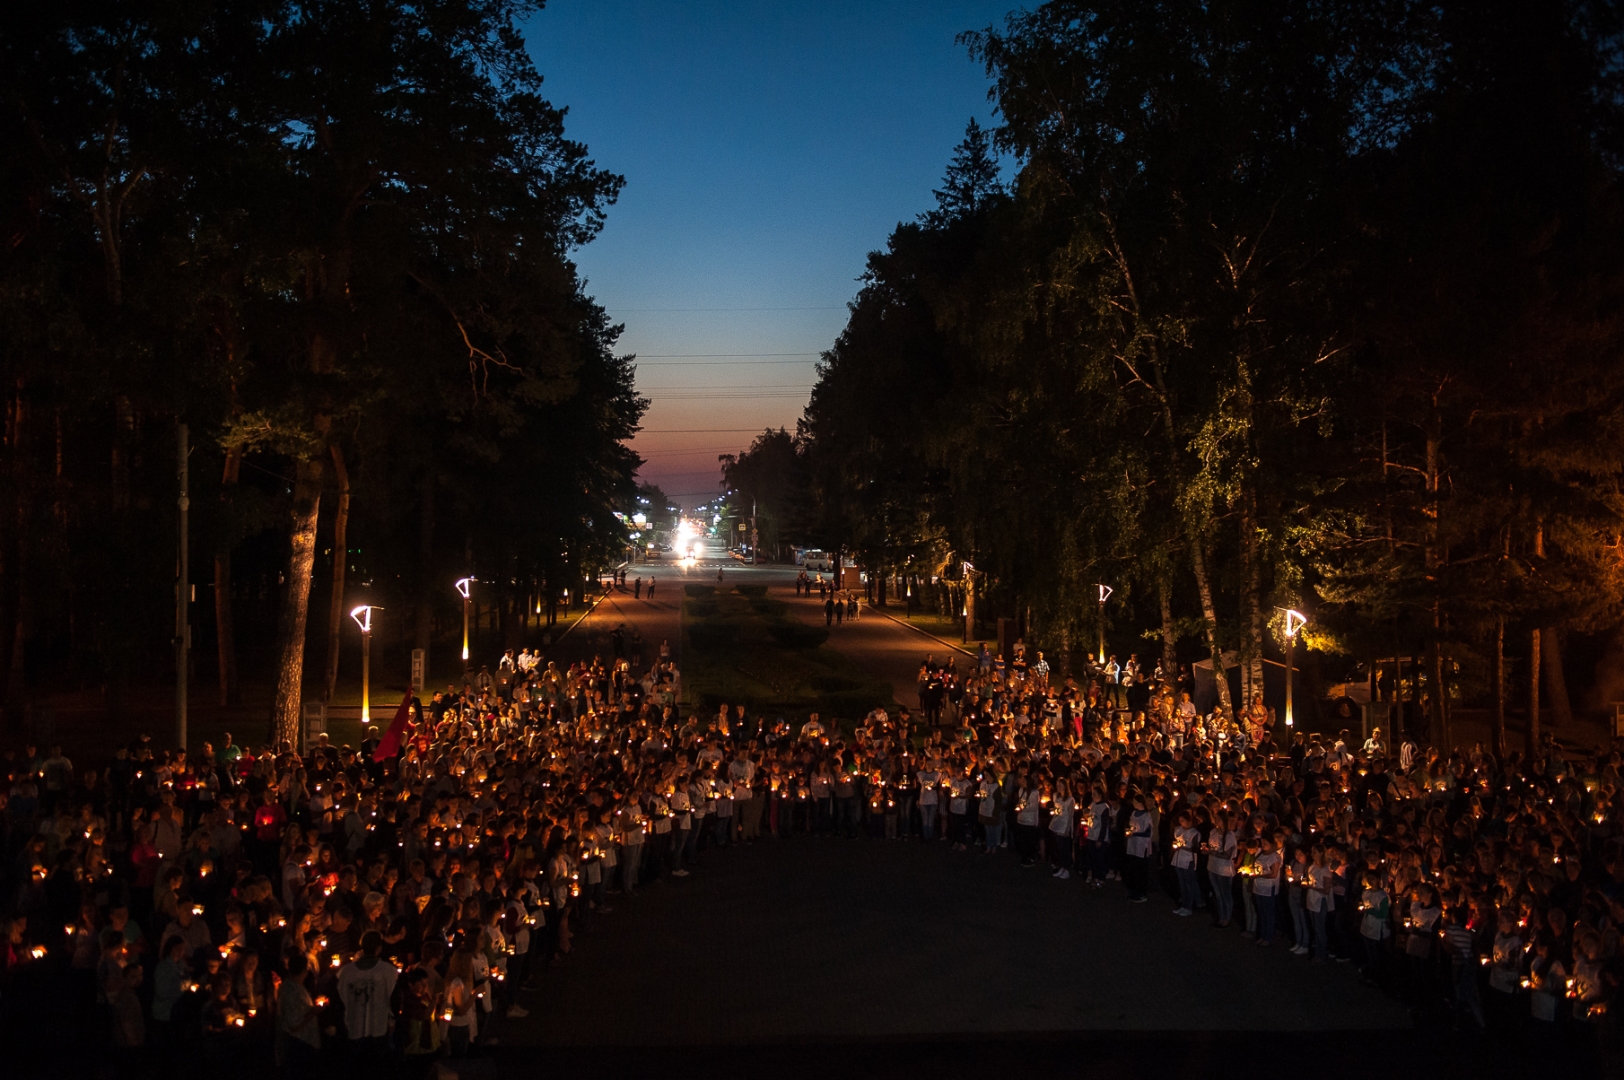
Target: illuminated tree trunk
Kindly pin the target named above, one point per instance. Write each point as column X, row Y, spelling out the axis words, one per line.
column 1556, row 683
column 1209, row 616
column 290, row 636
column 1170, row 637
column 1251, row 604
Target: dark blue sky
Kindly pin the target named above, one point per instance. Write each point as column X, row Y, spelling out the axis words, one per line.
column 767, row 148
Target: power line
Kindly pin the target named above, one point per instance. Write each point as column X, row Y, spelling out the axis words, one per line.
column 714, row 354
column 685, row 450
column 717, row 363
column 698, row 431
column 835, row 307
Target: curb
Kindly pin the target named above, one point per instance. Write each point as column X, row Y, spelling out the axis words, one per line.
column 922, row 632
column 585, row 615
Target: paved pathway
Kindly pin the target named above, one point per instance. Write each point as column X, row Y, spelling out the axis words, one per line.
column 884, row 648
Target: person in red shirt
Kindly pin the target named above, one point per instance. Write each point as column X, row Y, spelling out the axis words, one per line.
column 269, row 820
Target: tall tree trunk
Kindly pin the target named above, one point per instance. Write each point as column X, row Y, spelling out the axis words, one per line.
column 1170, row 637
column 1434, row 559
column 1497, row 675
column 425, row 565
column 335, row 602
column 225, row 630
column 1209, row 616
column 1556, row 683
column 123, row 433
column 1191, row 527
column 290, row 637
column 1251, row 602
column 1533, row 691
column 13, row 597
column 1535, row 653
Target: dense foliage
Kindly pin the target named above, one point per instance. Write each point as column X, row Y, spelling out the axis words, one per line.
column 1288, row 304
column 333, row 237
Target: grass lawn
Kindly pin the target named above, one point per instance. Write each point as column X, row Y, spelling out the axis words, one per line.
column 744, row 650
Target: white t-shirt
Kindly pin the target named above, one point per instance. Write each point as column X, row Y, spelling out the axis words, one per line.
column 365, row 994
column 927, row 788
column 1139, row 825
column 1063, row 819
column 1267, row 882
column 1185, row 843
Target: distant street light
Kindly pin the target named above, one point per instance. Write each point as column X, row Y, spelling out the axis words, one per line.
column 1105, row 594
column 1295, row 620
column 465, row 586
column 363, row 618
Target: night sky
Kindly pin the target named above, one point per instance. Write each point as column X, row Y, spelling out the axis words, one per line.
column 767, row 148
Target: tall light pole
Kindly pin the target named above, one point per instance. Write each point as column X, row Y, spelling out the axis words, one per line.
column 465, row 586
column 969, row 571
column 755, row 537
column 363, row 618
column 1294, row 622
column 1105, row 594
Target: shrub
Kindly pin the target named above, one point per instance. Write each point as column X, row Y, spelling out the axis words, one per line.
column 750, row 590
column 701, row 608
column 699, row 590
column 763, row 605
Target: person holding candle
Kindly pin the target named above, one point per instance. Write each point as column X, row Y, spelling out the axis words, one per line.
column 298, row 1025
column 1220, row 849
column 1266, row 886
column 1185, row 842
column 459, row 1013
column 1100, row 821
column 1317, row 893
column 1136, row 868
column 1062, row 828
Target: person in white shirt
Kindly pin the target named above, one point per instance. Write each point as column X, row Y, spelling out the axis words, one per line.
column 1099, row 839
column 1266, row 888
column 1317, row 894
column 364, row 987
column 928, row 778
column 1136, row 873
column 1220, row 850
column 1062, row 827
column 1186, row 841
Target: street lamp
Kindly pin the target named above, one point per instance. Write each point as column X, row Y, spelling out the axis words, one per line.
column 363, row 618
column 1105, row 594
column 465, row 586
column 1295, row 621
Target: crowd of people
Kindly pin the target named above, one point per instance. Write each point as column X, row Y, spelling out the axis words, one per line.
column 393, row 902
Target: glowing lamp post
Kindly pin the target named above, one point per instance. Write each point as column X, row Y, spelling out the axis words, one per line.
column 465, row 586
column 1105, row 594
column 1294, row 622
column 363, row 618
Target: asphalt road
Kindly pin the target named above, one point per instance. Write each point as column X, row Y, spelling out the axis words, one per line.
column 836, row 940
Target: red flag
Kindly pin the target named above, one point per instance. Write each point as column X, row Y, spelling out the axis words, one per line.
column 390, row 745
